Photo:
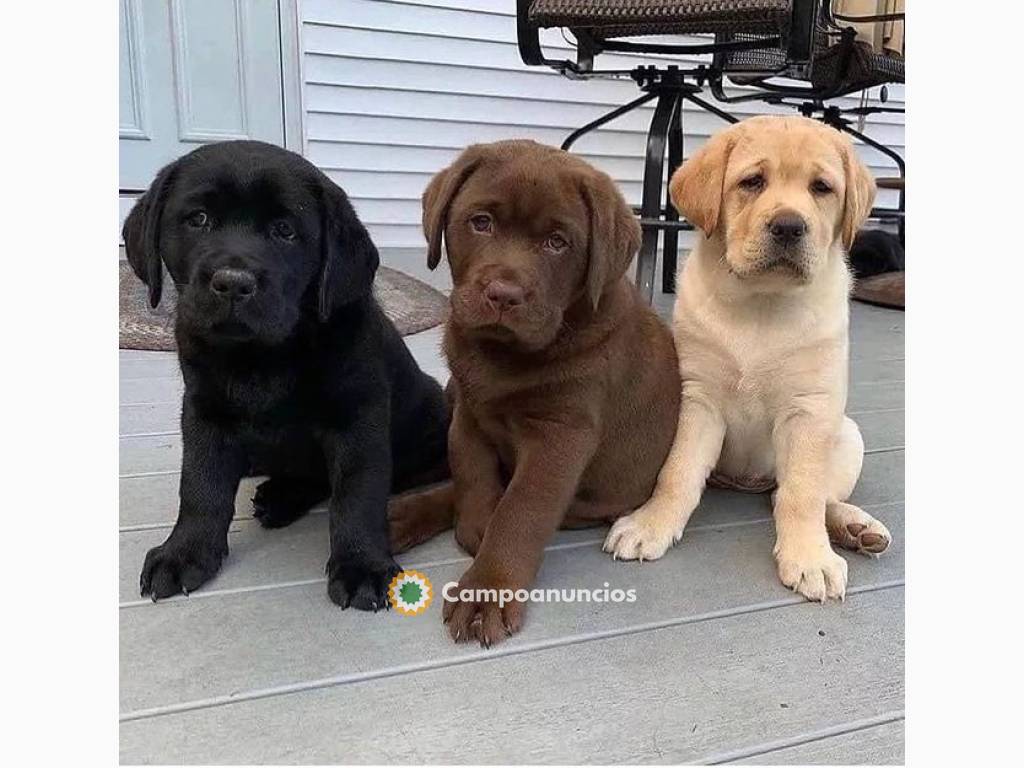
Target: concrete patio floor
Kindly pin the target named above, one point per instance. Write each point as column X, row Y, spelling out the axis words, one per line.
column 715, row 661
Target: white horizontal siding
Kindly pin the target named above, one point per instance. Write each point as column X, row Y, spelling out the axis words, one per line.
column 394, row 89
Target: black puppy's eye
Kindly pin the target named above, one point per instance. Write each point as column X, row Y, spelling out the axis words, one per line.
column 753, row 183
column 556, row 242
column 482, row 222
column 820, row 187
column 284, row 230
column 198, row 219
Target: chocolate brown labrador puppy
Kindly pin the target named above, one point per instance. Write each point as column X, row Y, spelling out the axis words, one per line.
column 565, row 383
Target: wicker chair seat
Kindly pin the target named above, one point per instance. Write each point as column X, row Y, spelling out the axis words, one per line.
column 627, row 18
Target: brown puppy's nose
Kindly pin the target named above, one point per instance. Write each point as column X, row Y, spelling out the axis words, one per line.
column 233, row 284
column 787, row 228
column 504, row 295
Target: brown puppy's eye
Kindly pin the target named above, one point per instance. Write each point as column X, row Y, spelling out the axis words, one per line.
column 556, row 242
column 284, row 230
column 198, row 219
column 481, row 222
column 820, row 187
column 753, row 183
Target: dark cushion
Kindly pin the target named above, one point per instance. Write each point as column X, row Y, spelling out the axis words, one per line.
column 834, row 69
column 624, row 18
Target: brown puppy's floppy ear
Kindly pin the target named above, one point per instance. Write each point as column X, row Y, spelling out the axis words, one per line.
column 141, row 233
column 349, row 259
column 614, row 234
column 438, row 196
column 860, row 192
column 698, row 186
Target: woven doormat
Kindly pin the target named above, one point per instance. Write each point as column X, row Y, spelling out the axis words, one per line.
column 411, row 304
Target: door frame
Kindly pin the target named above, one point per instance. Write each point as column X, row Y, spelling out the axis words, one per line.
column 289, row 26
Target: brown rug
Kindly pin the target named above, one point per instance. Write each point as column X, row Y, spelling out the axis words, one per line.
column 411, row 304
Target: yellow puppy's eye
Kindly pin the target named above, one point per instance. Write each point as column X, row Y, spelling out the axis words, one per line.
column 754, row 183
column 820, row 187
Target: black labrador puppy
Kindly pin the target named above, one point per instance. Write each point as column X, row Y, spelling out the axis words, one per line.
column 291, row 368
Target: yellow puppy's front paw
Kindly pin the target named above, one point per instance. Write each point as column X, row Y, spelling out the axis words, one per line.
column 646, row 534
column 812, row 569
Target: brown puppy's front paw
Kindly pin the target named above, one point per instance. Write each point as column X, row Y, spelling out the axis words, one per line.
column 811, row 568
column 852, row 528
column 487, row 616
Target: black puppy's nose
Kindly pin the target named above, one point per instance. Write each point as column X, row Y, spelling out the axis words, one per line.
column 787, row 228
column 504, row 294
column 234, row 284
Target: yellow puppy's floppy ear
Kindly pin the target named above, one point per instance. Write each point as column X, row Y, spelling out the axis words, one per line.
column 614, row 234
column 698, row 186
column 860, row 192
column 437, row 198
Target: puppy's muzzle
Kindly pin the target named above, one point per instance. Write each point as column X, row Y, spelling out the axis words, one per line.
column 235, row 286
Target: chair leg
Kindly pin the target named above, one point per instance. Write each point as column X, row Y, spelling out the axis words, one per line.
column 650, row 209
column 670, row 253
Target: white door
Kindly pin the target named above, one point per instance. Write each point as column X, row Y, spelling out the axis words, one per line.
column 192, row 72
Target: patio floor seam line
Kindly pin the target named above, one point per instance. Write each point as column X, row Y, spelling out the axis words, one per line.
column 887, row 449
column 154, row 473
column 168, row 433
column 160, row 377
column 487, row 655
column 852, row 726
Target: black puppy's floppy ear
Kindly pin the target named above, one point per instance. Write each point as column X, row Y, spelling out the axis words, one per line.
column 141, row 233
column 349, row 259
column 614, row 234
column 438, row 196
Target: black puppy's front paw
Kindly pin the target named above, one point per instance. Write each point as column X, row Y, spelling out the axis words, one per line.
column 172, row 568
column 362, row 587
column 280, row 501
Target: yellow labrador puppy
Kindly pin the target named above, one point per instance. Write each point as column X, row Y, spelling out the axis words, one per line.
column 761, row 326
